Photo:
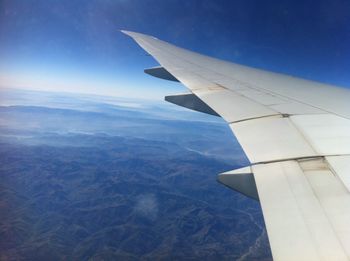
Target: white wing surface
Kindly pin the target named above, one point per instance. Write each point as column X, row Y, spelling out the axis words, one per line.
column 296, row 134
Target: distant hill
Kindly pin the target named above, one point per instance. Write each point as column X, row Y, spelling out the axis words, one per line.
column 120, row 185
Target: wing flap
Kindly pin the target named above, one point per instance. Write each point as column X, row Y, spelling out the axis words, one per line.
column 233, row 107
column 271, row 139
column 301, row 222
column 341, row 167
column 328, row 134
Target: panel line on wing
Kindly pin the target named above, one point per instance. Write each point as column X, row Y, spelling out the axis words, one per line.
column 203, row 69
column 300, row 225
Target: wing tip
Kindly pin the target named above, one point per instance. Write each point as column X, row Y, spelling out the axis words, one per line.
column 129, row 33
column 136, row 35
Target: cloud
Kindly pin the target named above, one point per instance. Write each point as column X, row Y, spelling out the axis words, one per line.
column 147, row 206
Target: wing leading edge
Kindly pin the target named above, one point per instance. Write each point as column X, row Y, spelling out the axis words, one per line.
column 296, row 134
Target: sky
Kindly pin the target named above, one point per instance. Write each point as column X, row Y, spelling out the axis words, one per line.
column 76, row 46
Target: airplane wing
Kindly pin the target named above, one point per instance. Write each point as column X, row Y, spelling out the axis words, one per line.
column 296, row 134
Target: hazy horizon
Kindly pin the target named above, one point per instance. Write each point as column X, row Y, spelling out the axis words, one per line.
column 78, row 47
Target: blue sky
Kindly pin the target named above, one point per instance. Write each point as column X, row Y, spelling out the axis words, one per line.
column 76, row 46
